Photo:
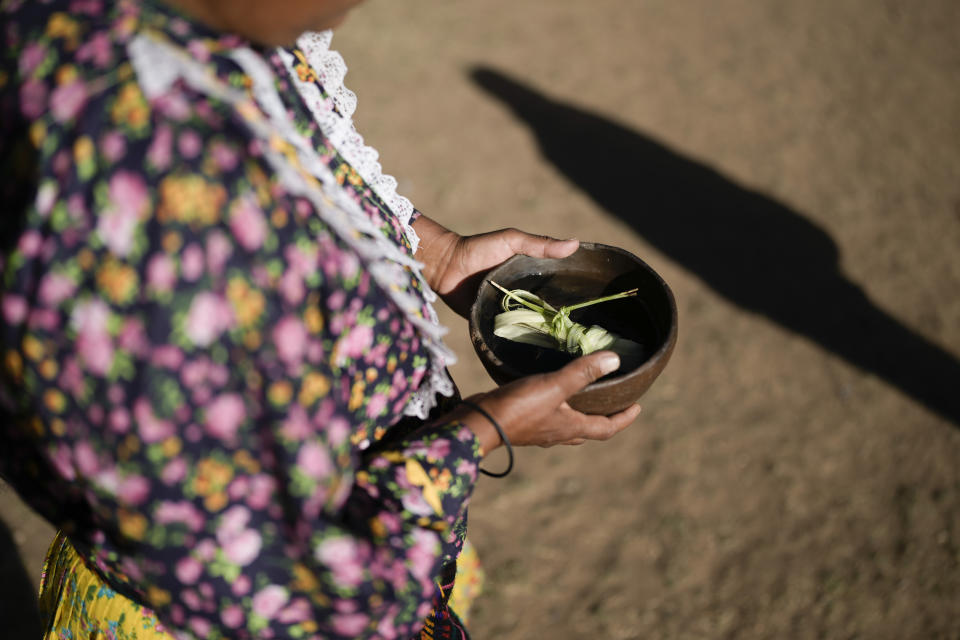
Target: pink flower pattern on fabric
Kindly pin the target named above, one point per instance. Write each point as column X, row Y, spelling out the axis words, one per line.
column 203, row 373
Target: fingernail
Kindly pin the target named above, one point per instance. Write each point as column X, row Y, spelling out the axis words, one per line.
column 609, row 362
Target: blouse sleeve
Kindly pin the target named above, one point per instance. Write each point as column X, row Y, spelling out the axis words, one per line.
column 196, row 357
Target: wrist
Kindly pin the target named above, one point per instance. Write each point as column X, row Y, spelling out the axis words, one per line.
column 437, row 245
column 502, row 438
column 485, row 433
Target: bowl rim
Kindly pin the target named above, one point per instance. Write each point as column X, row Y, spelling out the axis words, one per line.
column 648, row 364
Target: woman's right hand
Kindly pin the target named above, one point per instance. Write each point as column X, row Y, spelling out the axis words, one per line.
column 534, row 410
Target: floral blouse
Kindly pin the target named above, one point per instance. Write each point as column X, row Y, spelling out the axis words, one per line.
column 203, row 377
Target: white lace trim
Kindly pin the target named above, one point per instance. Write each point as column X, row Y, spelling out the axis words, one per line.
column 158, row 64
column 338, row 128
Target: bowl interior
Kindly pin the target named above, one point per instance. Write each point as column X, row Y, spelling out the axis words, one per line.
column 593, row 271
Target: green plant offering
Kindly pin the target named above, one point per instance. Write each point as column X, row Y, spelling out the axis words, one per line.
column 530, row 319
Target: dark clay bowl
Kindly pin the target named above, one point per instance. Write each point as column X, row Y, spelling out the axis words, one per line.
column 595, row 270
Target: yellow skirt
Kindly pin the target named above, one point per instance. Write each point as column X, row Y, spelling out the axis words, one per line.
column 76, row 603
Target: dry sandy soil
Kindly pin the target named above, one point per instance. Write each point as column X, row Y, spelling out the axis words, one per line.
column 792, row 169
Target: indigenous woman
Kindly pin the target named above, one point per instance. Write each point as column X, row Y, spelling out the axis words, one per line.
column 222, row 374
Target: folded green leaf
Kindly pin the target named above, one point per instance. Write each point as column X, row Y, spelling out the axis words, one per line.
column 530, row 319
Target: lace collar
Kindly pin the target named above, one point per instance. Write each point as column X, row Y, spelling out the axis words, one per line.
column 334, row 111
column 161, row 61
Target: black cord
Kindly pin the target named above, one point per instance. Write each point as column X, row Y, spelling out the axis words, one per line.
column 503, row 436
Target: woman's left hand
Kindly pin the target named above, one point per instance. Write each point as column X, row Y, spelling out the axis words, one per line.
column 454, row 265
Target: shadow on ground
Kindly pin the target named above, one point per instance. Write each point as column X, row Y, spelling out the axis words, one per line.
column 18, row 603
column 754, row 251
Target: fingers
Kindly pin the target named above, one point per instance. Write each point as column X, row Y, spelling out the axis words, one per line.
column 606, row 428
column 539, row 246
column 560, row 248
column 618, row 422
column 532, row 412
column 586, row 427
column 582, row 371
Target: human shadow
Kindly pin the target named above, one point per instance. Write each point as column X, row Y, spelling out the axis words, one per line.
column 18, row 601
column 754, row 251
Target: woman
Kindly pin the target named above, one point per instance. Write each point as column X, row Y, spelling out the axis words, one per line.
column 223, row 378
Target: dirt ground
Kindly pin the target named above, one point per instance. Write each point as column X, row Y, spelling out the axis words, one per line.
column 792, row 169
